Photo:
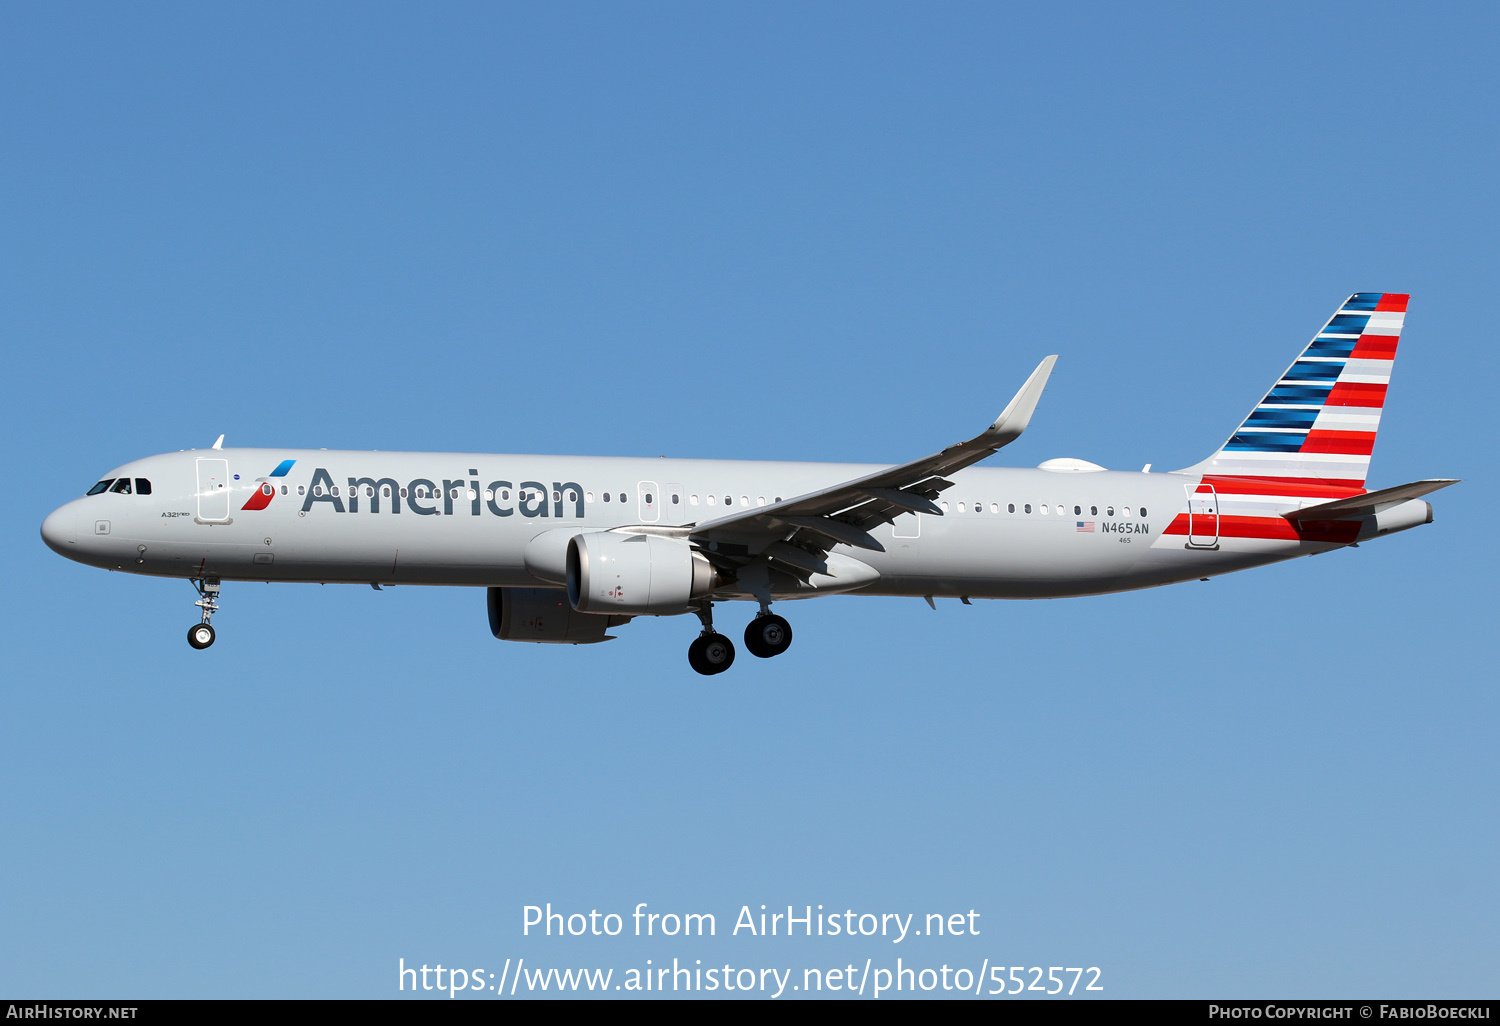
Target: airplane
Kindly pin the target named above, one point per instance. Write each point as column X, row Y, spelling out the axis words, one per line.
column 570, row 547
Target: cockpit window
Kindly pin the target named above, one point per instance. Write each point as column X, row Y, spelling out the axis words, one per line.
column 102, row 486
column 122, row 486
column 142, row 486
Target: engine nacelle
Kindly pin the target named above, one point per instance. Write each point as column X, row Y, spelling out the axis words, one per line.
column 635, row 573
column 544, row 615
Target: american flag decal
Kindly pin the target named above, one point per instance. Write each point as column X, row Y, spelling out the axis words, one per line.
column 1085, row 527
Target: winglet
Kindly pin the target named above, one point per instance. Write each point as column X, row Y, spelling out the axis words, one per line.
column 1013, row 420
column 220, row 443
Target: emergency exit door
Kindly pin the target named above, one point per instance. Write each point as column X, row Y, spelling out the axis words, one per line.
column 650, row 502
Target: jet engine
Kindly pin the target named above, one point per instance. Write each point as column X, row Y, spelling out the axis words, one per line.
column 635, row 573
column 544, row 615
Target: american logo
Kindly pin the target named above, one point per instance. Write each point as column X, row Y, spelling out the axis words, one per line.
column 267, row 487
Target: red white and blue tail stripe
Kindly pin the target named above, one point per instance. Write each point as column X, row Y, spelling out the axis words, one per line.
column 1317, row 424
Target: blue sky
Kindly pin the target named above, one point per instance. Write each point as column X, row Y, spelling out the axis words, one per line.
column 841, row 232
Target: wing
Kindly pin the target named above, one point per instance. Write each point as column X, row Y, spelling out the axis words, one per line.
column 797, row 533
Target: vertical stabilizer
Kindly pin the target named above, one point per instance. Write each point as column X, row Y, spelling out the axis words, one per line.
column 1317, row 425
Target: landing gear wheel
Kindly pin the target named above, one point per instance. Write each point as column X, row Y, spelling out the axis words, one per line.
column 768, row 636
column 200, row 635
column 711, row 654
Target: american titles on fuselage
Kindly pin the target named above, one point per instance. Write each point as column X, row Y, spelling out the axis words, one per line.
column 564, row 499
column 532, row 498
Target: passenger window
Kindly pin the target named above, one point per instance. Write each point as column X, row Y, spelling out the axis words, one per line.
column 760, row 500
column 649, row 499
column 302, row 490
column 622, row 497
column 1109, row 511
column 944, row 504
column 729, row 500
column 385, row 491
column 606, row 496
column 505, row 494
column 693, row 499
column 960, row 507
column 142, row 486
column 1010, row 507
column 1143, row 511
column 676, row 499
column 1093, row 511
column 777, row 499
column 1078, row 511
column 122, row 486
column 403, row 492
column 744, row 500
column 1043, row 510
column 267, row 489
column 102, row 486
column 1028, row 507
column 978, row 507
column 283, row 488
column 1125, row 511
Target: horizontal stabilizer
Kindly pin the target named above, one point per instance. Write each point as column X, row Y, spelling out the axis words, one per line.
column 1369, row 502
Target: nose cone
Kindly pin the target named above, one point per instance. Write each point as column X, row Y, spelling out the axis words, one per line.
column 60, row 531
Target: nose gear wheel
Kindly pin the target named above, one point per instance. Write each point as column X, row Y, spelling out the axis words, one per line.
column 201, row 635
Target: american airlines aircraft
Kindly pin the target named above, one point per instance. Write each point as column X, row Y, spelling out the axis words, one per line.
column 572, row 546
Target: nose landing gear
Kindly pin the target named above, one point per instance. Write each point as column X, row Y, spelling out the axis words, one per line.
column 201, row 635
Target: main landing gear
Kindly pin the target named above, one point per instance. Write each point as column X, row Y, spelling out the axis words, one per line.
column 767, row 635
column 201, row 635
column 711, row 653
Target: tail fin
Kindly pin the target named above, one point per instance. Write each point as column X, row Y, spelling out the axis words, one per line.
column 1317, row 425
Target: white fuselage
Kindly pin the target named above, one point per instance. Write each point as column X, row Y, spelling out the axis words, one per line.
column 468, row 519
